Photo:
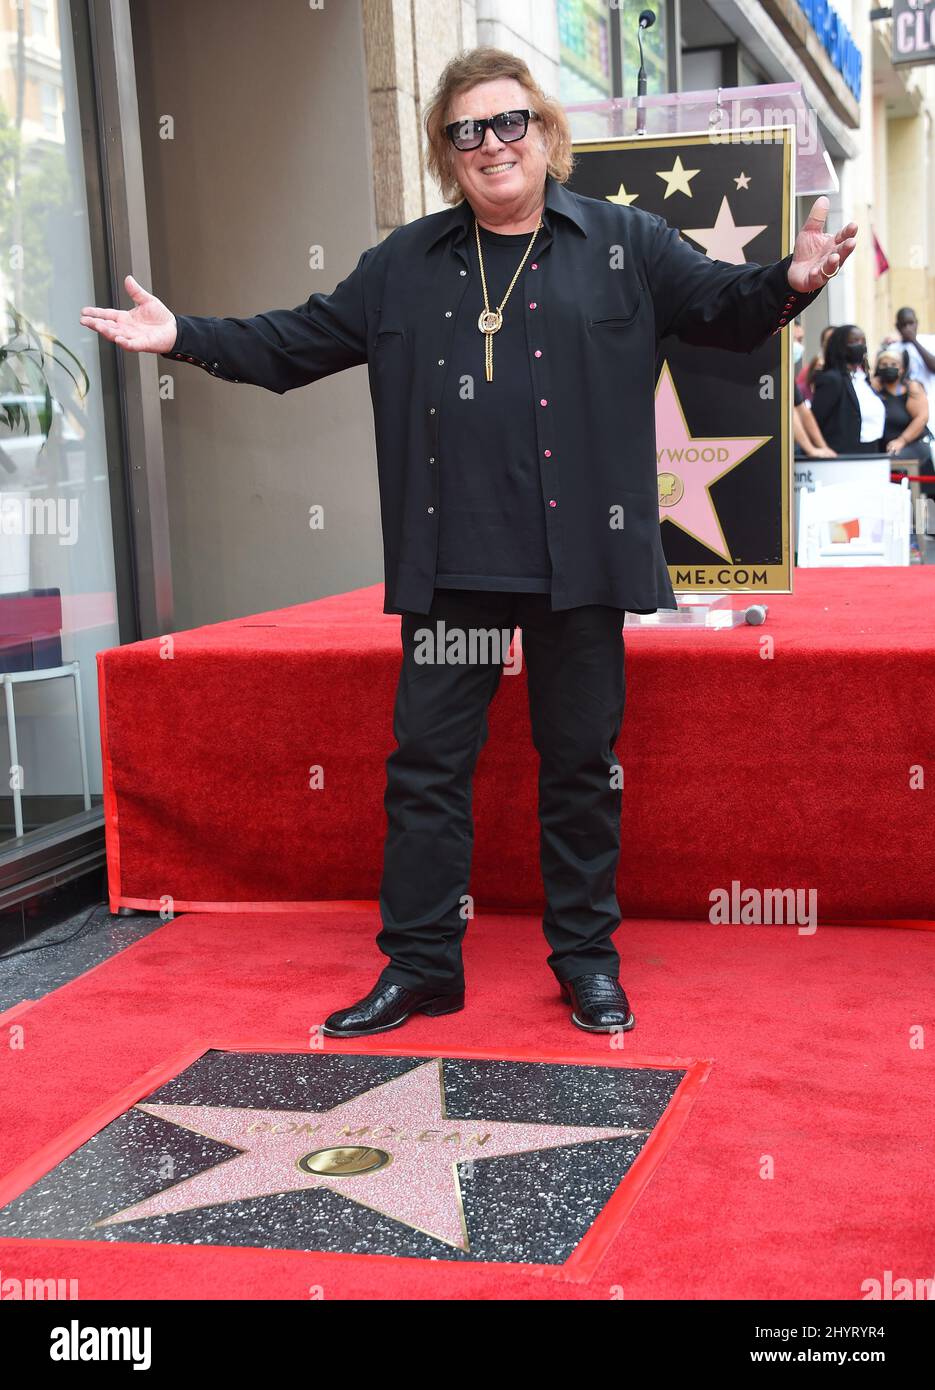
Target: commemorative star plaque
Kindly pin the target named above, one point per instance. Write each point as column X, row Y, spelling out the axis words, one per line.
column 446, row 1158
column 723, row 419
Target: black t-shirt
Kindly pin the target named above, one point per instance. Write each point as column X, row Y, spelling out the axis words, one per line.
column 898, row 418
column 492, row 532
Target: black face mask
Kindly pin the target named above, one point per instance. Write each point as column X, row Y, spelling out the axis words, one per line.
column 888, row 373
column 856, row 352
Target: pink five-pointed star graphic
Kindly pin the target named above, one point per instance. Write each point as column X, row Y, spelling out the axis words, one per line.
column 725, row 240
column 403, row 1118
column 687, row 465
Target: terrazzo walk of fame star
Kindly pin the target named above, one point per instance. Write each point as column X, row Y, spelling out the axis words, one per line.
column 433, row 1157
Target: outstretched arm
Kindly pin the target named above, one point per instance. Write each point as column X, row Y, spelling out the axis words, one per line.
column 148, row 327
column 278, row 350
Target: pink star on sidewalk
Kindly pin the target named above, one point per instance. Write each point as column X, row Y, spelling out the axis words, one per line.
column 392, row 1149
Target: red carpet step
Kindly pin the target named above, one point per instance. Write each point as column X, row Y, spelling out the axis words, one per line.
column 778, row 757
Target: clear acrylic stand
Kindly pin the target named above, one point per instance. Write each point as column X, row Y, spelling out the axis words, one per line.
column 711, row 112
column 710, row 610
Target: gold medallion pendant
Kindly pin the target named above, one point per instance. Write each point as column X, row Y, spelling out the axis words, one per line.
column 491, row 320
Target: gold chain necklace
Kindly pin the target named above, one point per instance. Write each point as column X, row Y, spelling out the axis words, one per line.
column 491, row 320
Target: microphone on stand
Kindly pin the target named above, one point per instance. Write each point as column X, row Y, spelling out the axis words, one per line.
column 646, row 21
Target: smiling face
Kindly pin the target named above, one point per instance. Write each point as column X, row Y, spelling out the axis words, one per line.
column 503, row 181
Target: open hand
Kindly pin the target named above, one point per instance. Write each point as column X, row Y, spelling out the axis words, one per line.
column 817, row 255
column 149, row 327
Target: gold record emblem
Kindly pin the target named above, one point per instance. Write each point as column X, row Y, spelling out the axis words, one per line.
column 346, row 1162
column 490, row 321
column 671, row 489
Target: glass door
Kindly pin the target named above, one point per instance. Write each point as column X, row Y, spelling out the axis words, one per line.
column 58, row 604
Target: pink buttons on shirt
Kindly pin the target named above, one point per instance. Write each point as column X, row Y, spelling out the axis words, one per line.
column 548, row 453
column 552, row 502
column 534, row 266
column 538, row 352
column 543, row 401
column 534, row 305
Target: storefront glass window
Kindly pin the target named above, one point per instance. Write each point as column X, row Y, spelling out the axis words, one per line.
column 57, row 593
column 599, row 49
column 584, row 36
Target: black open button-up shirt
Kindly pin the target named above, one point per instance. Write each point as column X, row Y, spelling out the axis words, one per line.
column 614, row 282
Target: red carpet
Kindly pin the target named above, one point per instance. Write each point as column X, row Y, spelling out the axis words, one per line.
column 813, row 1068
column 788, row 772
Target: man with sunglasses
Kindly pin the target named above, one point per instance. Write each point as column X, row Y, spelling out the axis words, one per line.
column 510, row 342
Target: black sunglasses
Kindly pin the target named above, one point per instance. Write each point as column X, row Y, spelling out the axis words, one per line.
column 508, row 126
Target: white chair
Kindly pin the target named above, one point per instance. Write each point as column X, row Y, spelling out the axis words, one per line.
column 851, row 524
column 20, row 631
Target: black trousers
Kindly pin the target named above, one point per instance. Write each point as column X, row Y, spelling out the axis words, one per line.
column 574, row 661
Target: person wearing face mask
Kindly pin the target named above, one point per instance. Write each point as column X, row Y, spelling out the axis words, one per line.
column 798, row 346
column 905, row 432
column 850, row 414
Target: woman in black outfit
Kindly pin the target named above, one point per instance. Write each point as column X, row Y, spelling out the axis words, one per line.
column 850, row 414
column 905, row 434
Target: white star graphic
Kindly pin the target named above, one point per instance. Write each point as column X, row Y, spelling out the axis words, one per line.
column 725, row 240
column 677, row 178
column 622, row 196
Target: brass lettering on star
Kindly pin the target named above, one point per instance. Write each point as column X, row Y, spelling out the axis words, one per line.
column 370, row 1132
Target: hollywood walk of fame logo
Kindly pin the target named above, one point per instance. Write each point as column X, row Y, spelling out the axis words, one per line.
column 440, row 1157
column 689, row 465
column 671, row 489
